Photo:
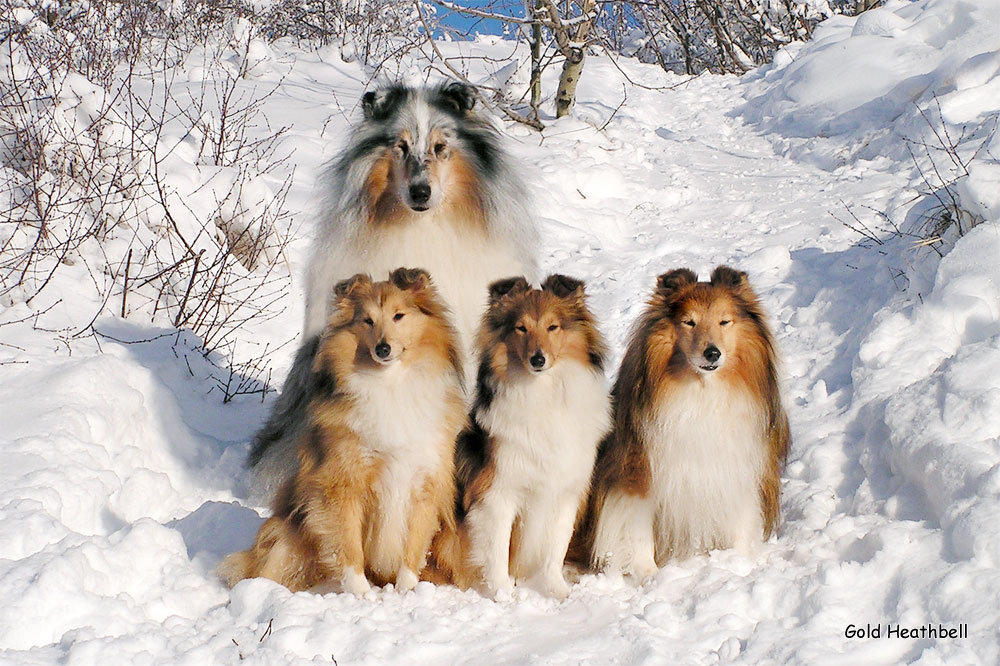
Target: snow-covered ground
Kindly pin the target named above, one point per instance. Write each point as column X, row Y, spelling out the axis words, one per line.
column 121, row 484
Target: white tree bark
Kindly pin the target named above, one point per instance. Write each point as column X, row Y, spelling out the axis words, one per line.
column 572, row 43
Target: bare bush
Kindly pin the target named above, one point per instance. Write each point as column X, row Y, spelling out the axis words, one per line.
column 691, row 36
column 369, row 31
column 942, row 163
column 937, row 216
column 94, row 128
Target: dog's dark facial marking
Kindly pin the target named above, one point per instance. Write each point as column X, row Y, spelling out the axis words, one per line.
column 482, row 148
column 366, row 146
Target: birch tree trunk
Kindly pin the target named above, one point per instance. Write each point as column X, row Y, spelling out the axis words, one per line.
column 574, row 51
column 536, row 61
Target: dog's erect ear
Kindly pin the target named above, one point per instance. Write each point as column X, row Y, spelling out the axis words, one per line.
column 507, row 288
column 724, row 276
column 670, row 282
column 458, row 95
column 345, row 288
column 564, row 287
column 737, row 282
column 380, row 104
column 410, row 279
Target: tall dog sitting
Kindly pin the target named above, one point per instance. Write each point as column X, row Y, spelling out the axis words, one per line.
column 376, row 460
column 423, row 181
column 700, row 435
column 524, row 466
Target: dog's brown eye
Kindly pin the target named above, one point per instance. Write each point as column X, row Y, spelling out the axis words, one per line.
column 725, row 322
column 689, row 322
column 369, row 321
column 398, row 316
column 553, row 327
column 522, row 328
column 403, row 148
column 439, row 149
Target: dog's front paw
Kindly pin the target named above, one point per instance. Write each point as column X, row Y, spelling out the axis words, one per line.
column 406, row 580
column 355, row 582
column 643, row 569
column 500, row 588
column 556, row 587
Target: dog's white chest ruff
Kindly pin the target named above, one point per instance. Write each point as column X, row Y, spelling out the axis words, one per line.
column 706, row 460
column 401, row 413
column 547, row 426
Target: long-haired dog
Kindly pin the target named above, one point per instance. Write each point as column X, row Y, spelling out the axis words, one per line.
column 376, row 459
column 525, row 462
column 699, row 437
column 423, row 181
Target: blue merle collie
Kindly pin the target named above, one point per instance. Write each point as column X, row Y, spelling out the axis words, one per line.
column 422, row 181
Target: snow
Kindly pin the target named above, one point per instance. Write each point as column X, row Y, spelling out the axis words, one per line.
column 122, row 483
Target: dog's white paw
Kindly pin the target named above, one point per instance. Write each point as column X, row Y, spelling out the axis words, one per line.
column 643, row 569
column 406, row 580
column 500, row 589
column 355, row 582
column 556, row 587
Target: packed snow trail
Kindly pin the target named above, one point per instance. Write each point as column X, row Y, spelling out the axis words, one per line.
column 122, row 485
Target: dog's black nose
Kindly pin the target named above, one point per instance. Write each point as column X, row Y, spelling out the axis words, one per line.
column 420, row 193
column 537, row 360
column 712, row 354
column 382, row 350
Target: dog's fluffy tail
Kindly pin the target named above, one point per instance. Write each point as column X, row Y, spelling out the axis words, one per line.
column 273, row 451
column 447, row 559
column 280, row 552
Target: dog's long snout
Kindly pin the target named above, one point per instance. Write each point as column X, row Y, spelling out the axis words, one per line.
column 712, row 354
column 420, row 193
column 382, row 350
column 537, row 360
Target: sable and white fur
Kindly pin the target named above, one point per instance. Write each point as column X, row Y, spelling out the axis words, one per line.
column 542, row 406
column 375, row 478
column 423, row 181
column 693, row 462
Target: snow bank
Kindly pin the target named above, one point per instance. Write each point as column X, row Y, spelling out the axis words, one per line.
column 858, row 88
column 932, row 374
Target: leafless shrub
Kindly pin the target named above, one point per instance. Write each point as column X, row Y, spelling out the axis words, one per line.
column 937, row 215
column 941, row 163
column 248, row 377
column 93, row 130
column 691, row 36
column 368, row 31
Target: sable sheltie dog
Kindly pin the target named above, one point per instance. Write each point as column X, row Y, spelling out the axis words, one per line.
column 376, row 458
column 525, row 462
column 422, row 181
column 699, row 436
